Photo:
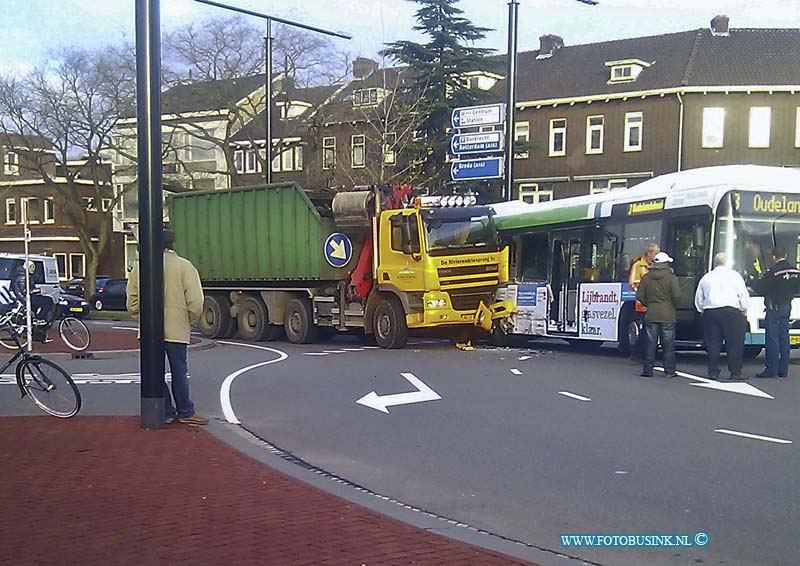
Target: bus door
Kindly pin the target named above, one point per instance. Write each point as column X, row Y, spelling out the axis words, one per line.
column 687, row 241
column 564, row 282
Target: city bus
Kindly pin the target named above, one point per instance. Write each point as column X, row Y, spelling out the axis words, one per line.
column 571, row 258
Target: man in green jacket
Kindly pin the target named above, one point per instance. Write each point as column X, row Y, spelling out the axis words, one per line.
column 659, row 292
column 183, row 305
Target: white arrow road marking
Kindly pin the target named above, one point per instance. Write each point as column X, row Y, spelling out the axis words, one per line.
column 573, row 396
column 729, row 386
column 225, row 390
column 515, row 371
column 338, row 249
column 754, row 436
column 382, row 402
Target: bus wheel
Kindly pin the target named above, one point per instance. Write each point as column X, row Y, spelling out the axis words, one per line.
column 752, row 352
column 216, row 320
column 299, row 322
column 630, row 325
column 390, row 324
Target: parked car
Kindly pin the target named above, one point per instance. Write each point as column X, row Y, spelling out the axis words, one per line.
column 75, row 286
column 110, row 296
column 70, row 305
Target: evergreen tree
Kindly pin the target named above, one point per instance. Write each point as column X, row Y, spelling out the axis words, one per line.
column 440, row 65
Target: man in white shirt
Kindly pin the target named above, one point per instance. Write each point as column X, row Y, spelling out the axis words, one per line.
column 722, row 299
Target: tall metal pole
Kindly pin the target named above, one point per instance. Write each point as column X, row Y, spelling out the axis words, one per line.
column 27, row 238
column 151, row 253
column 511, row 80
column 268, row 105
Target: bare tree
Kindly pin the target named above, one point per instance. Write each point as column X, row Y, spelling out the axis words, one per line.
column 73, row 102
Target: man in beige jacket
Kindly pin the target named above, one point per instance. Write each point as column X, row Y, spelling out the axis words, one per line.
column 183, row 305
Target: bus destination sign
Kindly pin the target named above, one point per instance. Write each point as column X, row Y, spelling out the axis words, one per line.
column 638, row 208
column 770, row 203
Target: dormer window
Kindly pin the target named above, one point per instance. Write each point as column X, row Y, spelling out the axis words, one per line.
column 368, row 96
column 626, row 70
column 293, row 108
column 480, row 80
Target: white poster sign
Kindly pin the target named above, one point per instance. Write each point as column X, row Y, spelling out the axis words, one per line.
column 599, row 308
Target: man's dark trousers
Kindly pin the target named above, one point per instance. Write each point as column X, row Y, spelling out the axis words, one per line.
column 726, row 323
column 666, row 332
column 777, row 341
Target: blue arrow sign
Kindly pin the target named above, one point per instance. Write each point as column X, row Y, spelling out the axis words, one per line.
column 487, row 168
column 338, row 249
column 472, row 116
column 485, row 142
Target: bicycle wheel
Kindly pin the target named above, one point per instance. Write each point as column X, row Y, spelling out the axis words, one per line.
column 50, row 387
column 7, row 341
column 74, row 333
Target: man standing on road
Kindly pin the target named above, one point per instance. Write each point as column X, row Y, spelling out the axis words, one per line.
column 659, row 292
column 722, row 299
column 183, row 305
column 639, row 268
column 779, row 286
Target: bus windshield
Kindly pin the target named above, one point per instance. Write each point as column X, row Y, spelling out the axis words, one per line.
column 448, row 230
column 750, row 224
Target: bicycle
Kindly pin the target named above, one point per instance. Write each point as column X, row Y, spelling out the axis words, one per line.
column 73, row 331
column 45, row 382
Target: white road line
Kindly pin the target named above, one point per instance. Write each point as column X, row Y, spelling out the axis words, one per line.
column 353, row 349
column 753, row 436
column 131, row 328
column 315, row 353
column 334, row 351
column 573, row 396
column 515, row 371
column 523, row 358
column 225, row 390
column 372, row 347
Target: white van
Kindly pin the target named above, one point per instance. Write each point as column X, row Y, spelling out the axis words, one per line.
column 45, row 275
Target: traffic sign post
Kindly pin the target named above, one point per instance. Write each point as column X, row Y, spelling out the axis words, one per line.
column 473, row 169
column 473, row 116
column 338, row 249
column 485, row 142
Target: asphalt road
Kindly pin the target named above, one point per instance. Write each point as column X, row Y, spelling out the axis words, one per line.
column 528, row 443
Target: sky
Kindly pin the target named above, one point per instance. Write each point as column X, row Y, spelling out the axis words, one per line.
column 32, row 29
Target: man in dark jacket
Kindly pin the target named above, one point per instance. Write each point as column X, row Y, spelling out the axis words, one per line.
column 779, row 286
column 659, row 292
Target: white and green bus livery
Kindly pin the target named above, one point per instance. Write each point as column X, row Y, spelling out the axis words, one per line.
column 571, row 258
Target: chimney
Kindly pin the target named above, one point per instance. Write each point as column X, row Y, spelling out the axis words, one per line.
column 363, row 67
column 548, row 44
column 719, row 25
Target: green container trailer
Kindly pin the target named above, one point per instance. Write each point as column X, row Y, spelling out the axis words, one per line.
column 260, row 234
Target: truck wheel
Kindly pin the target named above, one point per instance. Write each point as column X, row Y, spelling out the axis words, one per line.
column 254, row 323
column 299, row 322
column 389, row 324
column 216, row 320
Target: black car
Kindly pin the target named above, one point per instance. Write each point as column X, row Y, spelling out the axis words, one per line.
column 70, row 305
column 110, row 296
column 75, row 286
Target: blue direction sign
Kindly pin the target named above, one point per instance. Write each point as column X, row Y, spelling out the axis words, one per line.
column 338, row 249
column 485, row 142
column 487, row 168
column 472, row 116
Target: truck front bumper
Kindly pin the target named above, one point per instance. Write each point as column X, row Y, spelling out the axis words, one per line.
column 437, row 311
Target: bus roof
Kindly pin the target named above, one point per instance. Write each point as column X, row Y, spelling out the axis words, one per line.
column 693, row 187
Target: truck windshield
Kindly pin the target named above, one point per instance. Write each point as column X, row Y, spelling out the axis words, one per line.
column 459, row 234
column 750, row 224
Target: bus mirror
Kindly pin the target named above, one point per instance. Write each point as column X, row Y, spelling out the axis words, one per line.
column 699, row 236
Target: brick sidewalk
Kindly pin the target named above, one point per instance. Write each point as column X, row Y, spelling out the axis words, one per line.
column 99, row 490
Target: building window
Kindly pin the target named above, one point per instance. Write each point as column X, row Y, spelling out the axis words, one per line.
column 522, row 135
column 760, row 117
column 61, row 262
column 358, row 144
column 33, row 210
column 119, row 192
column 238, row 160
column 607, row 185
column 713, row 127
column 77, row 265
column 105, row 204
column 622, row 73
column 49, row 211
column 594, row 134
column 558, row 137
column 251, row 163
column 11, row 163
column 89, row 204
column 11, row 211
column 367, row 96
column 389, row 153
column 633, row 131
column 289, row 159
column 535, row 193
column 328, row 152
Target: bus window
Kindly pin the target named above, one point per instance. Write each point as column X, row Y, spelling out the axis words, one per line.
column 533, row 263
column 638, row 235
column 600, row 261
